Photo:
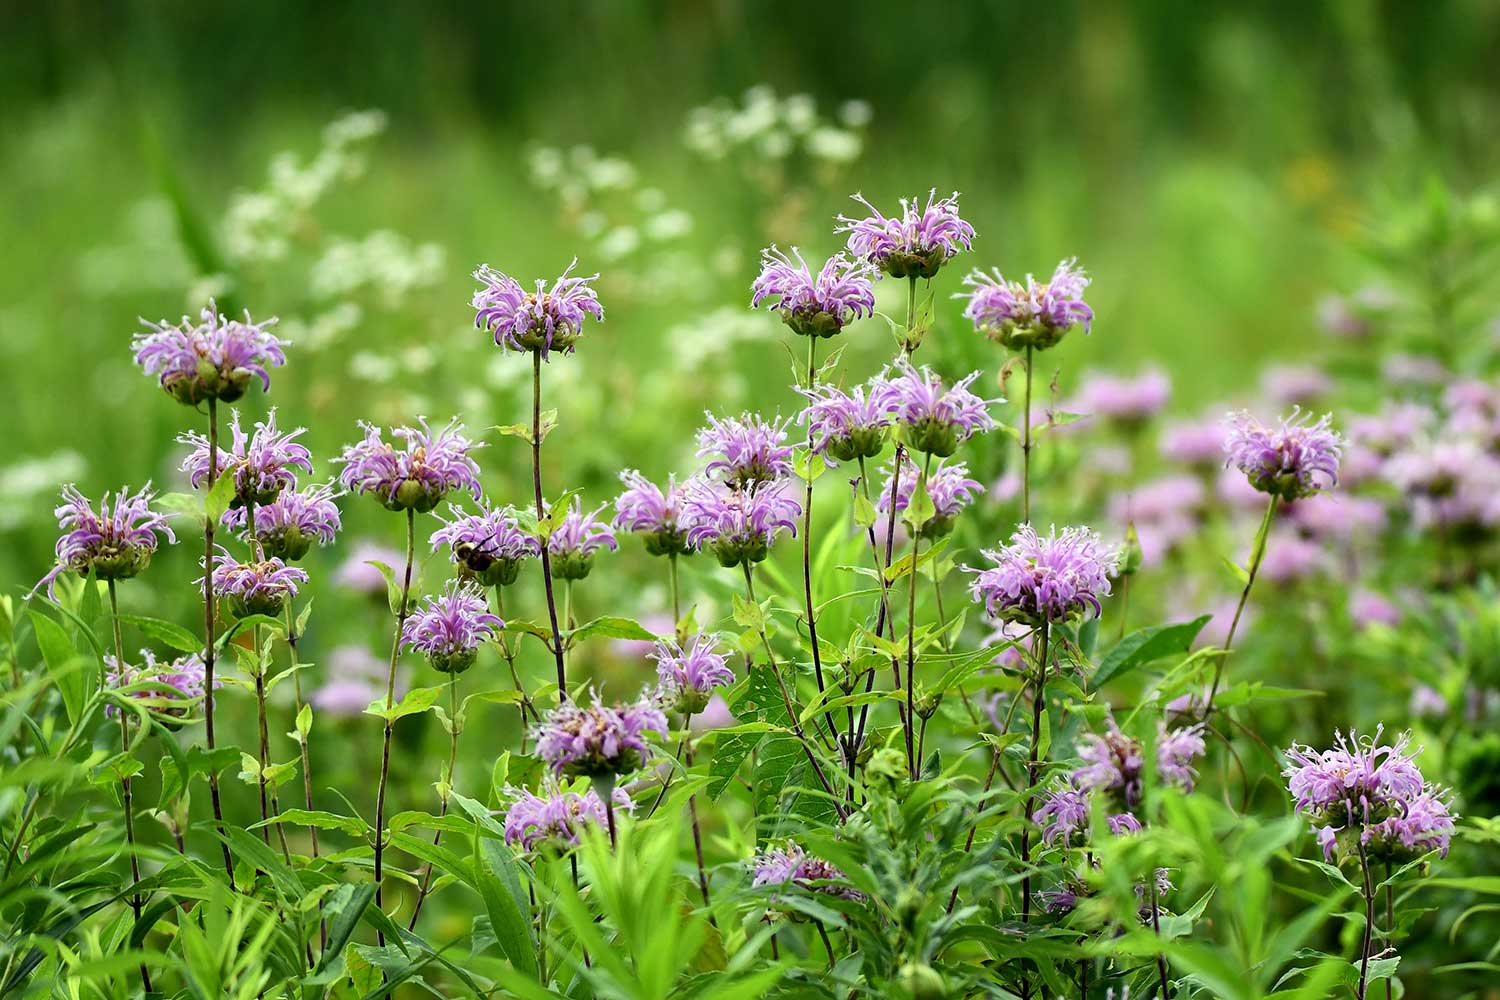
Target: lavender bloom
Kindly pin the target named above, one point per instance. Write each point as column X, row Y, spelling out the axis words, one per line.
column 1294, row 460
column 598, row 740
column 212, row 359
column 1367, row 608
column 255, row 588
column 935, row 420
column 1113, row 763
column 263, row 463
column 556, row 820
column 414, row 478
column 487, row 547
column 1029, row 315
column 115, row 543
column 356, row 677
column 544, row 320
column 1342, row 518
column 176, row 686
column 949, row 487
column 655, row 514
column 1355, row 317
column 450, row 627
column 574, row 541
column 814, row 306
column 1063, row 815
column 1427, row 702
column 1049, row 579
column 1361, row 787
column 1129, row 402
column 1289, row 557
column 1198, row 444
column 739, row 525
column 1452, row 486
column 1295, row 386
column 848, row 425
column 357, row 573
column 287, row 526
column 914, row 245
column 745, row 449
column 689, row 675
column 792, row 866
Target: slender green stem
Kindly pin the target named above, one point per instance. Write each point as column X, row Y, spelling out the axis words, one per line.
column 1390, row 923
column 672, row 585
column 445, row 787
column 1161, row 960
column 1365, row 944
column 390, row 700
column 812, row 616
column 210, row 641
column 1033, row 770
column 1026, row 446
column 1256, row 557
column 125, row 790
column 536, row 487
column 911, row 627
column 510, row 661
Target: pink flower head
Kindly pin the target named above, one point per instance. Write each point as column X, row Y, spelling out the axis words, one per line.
column 255, row 588
column 689, row 674
column 847, row 426
column 543, row 320
column 745, row 449
column 1030, row 314
column 214, row 358
column 599, row 739
column 263, row 464
column 1293, row 460
column 656, row 514
column 915, row 244
column 935, row 419
column 1051, row 579
column 738, row 525
column 450, row 627
column 576, row 538
column 488, row 547
column 416, row 477
column 818, row 306
column 556, row 819
column 115, row 542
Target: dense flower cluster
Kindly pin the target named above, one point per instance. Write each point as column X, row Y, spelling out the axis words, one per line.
column 1129, row 402
column 556, row 819
column 745, row 449
column 1293, row 460
column 934, row 419
column 1030, row 314
column 174, row 688
column 487, row 547
column 214, row 358
column 848, row 425
column 263, row 464
column 449, row 628
column 916, row 243
column 1045, row 579
column 738, row 525
column 258, row 587
column 814, row 306
column 653, row 513
column 114, row 543
column 688, row 675
column 1368, row 797
column 576, row 538
column 543, row 320
column 598, row 739
column 790, row 866
column 948, row 485
column 416, row 477
column 288, row 526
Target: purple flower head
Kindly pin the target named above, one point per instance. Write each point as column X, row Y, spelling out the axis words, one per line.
column 1427, row 702
column 543, row 320
column 848, row 425
column 1356, row 316
column 448, row 628
column 1293, row 460
column 1113, row 763
column 115, row 542
column 739, row 525
column 814, row 306
column 1035, row 315
column 263, row 463
column 598, row 739
column 1199, row 444
column 1366, row 608
column 653, row 513
column 1129, row 402
column 174, row 688
column 1176, row 749
column 357, row 572
column 745, row 449
column 790, row 866
column 689, row 674
column 255, row 588
column 556, row 819
column 576, row 538
column 1063, row 815
column 288, row 526
column 416, row 477
column 1298, row 385
column 1362, row 787
column 214, row 358
column 1452, row 485
column 915, row 244
column 1289, row 557
column 933, row 419
column 949, row 487
column 1337, row 518
column 488, row 547
column 1045, row 579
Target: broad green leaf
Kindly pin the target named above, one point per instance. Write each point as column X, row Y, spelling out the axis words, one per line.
column 168, row 633
column 1145, row 645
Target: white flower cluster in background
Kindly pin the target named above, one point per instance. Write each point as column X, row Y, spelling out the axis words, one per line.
column 605, row 202
column 773, row 128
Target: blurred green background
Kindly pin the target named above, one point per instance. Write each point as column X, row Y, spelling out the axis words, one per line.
column 1209, row 165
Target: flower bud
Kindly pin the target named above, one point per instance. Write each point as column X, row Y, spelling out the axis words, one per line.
column 886, row 770
column 288, row 543
column 1130, row 553
column 572, row 565
column 861, row 442
column 454, row 661
column 922, row 981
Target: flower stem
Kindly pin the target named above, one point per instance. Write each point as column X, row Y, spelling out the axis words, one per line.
column 305, row 752
column 1364, row 948
column 445, row 787
column 125, row 791
column 911, row 627
column 1257, row 555
column 672, row 585
column 791, row 709
column 883, row 615
column 208, row 633
column 1390, row 923
column 510, row 661
column 1033, row 768
column 1161, row 960
column 812, row 617
column 536, row 488
column 390, row 698
column 1026, row 447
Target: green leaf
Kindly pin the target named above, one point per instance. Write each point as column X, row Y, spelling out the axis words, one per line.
column 168, row 633
column 903, row 566
column 865, row 514
column 500, row 888
column 351, row 825
column 1146, row 645
column 417, row 700
column 920, row 509
column 64, row 665
column 392, row 587
column 750, row 615
column 613, row 627
column 220, row 495
column 304, row 720
column 343, row 911
column 180, row 505
column 807, row 466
